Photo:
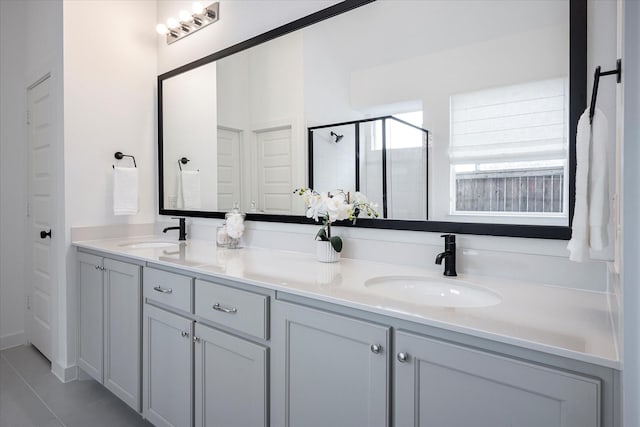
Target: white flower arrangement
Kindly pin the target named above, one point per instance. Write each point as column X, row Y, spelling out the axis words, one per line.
column 336, row 206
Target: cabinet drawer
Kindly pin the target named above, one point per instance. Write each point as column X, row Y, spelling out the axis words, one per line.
column 237, row 309
column 168, row 288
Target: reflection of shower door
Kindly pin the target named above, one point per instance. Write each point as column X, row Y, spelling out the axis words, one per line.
column 274, row 171
column 228, row 168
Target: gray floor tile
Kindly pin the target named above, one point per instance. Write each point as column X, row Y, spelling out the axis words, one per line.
column 31, row 396
column 19, row 406
column 28, row 361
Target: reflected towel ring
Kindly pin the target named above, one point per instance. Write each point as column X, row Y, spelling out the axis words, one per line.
column 182, row 161
column 119, row 156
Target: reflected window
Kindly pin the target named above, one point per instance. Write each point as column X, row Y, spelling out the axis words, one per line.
column 508, row 150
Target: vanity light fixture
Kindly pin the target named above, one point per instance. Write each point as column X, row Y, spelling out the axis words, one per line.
column 188, row 23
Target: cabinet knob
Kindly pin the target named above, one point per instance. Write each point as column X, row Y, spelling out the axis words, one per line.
column 185, row 333
column 376, row 348
column 403, row 357
column 196, row 339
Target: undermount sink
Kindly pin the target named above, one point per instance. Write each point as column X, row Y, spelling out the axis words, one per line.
column 433, row 291
column 149, row 245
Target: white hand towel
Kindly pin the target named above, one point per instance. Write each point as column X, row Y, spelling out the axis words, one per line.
column 189, row 189
column 125, row 191
column 591, row 213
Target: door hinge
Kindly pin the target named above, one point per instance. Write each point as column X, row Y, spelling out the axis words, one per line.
column 28, row 302
column 28, row 117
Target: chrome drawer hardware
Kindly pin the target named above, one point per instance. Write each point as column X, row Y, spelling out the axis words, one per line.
column 196, row 339
column 185, row 333
column 403, row 357
column 163, row 290
column 218, row 307
column 99, row 268
column 376, row 348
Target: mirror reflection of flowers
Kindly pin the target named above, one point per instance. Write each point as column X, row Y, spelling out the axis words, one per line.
column 329, row 207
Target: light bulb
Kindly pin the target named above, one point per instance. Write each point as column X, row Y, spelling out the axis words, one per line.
column 172, row 23
column 198, row 8
column 184, row 16
column 162, row 29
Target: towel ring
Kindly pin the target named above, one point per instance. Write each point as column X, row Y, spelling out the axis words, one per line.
column 119, row 156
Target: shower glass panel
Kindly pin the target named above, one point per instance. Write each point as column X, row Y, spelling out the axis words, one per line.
column 406, row 168
column 384, row 158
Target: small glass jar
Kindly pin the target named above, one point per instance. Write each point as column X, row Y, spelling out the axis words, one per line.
column 234, row 227
column 222, row 238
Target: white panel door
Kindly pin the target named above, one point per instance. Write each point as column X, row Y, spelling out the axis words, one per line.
column 41, row 198
column 274, row 171
column 228, row 168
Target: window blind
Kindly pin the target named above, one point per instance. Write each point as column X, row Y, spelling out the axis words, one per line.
column 518, row 122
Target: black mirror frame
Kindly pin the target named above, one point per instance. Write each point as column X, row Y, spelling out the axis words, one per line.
column 577, row 104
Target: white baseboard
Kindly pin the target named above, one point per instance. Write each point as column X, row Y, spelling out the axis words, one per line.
column 12, row 340
column 65, row 375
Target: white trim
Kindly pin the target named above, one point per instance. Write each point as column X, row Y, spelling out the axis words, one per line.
column 68, row 374
column 12, row 340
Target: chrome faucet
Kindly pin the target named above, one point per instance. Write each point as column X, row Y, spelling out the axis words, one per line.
column 182, row 227
column 449, row 255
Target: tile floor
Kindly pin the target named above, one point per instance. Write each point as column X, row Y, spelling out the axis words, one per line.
column 31, row 396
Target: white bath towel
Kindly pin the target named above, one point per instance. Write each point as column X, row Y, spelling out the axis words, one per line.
column 125, row 191
column 189, row 189
column 591, row 214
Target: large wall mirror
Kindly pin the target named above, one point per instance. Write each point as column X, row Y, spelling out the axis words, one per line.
column 452, row 115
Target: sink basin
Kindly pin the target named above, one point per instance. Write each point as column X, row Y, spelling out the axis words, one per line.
column 433, row 291
column 148, row 245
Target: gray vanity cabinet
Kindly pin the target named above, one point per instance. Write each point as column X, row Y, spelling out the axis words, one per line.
column 442, row 384
column 230, row 380
column 109, row 324
column 168, row 368
column 328, row 369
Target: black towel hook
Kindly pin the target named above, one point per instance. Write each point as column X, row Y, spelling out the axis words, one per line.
column 596, row 82
column 119, row 156
column 182, row 161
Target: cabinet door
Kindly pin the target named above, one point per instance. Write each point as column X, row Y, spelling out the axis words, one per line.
column 90, row 347
column 445, row 385
column 230, row 380
column 328, row 370
column 167, row 368
column 122, row 326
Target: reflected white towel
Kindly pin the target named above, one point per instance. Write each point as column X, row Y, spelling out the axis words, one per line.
column 125, row 191
column 591, row 214
column 189, row 189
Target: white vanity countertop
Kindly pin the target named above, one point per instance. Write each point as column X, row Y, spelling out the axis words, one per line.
column 561, row 321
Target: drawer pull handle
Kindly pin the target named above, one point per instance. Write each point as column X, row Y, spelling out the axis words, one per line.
column 218, row 307
column 163, row 290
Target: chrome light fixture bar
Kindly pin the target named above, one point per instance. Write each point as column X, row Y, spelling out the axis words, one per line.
column 187, row 23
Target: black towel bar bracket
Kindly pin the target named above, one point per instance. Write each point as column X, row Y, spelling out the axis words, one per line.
column 119, row 156
column 596, row 81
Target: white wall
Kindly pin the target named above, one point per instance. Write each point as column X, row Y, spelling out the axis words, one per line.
column 12, row 172
column 109, row 106
column 631, row 204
